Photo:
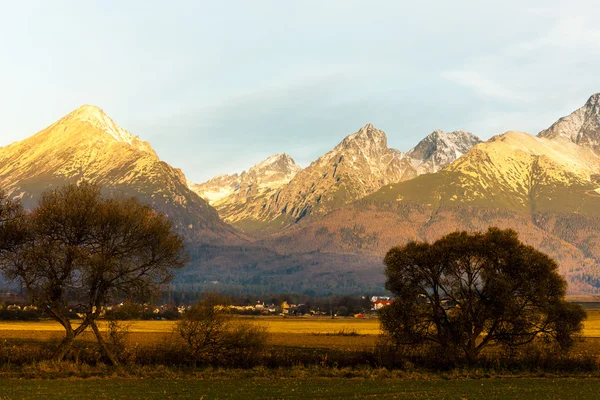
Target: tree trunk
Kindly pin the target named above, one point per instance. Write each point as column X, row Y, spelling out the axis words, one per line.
column 64, row 346
column 70, row 334
column 103, row 346
column 471, row 354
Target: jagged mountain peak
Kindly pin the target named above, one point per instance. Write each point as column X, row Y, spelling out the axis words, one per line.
column 273, row 172
column 454, row 136
column 440, row 148
column 359, row 165
column 99, row 121
column 594, row 100
column 280, row 161
column 461, row 134
column 581, row 126
column 260, row 180
column 367, row 137
column 273, row 159
column 88, row 145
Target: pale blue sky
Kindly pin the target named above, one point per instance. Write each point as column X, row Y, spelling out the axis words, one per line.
column 216, row 86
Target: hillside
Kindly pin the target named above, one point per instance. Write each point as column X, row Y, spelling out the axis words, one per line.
column 87, row 144
column 358, row 166
column 546, row 188
column 325, row 228
column 238, row 195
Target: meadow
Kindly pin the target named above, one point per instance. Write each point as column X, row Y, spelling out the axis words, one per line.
column 303, row 388
column 310, row 336
column 319, row 332
column 309, row 332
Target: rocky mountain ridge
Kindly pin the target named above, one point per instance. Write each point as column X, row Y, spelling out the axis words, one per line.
column 354, row 203
column 261, row 179
column 359, row 165
column 546, row 187
column 439, row 149
column 87, row 145
column 581, row 126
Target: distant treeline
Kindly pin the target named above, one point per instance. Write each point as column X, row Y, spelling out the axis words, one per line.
column 169, row 305
column 338, row 304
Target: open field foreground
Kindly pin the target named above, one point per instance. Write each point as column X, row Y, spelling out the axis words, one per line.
column 307, row 325
column 290, row 325
column 341, row 333
column 315, row 380
column 314, row 388
column 309, row 332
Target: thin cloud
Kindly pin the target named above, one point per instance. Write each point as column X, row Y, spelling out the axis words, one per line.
column 572, row 33
column 483, row 85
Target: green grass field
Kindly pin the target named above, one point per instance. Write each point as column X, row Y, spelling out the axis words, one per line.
column 314, row 388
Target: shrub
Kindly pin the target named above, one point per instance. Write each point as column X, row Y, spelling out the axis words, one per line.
column 213, row 337
column 117, row 335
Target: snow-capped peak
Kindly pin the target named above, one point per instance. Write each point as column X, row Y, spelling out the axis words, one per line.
column 368, row 141
column 581, row 126
column 277, row 161
column 262, row 179
column 451, row 145
column 98, row 119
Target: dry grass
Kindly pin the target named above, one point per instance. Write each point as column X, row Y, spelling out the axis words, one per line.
column 307, row 332
column 592, row 324
column 52, row 326
column 307, row 342
column 282, row 331
column 321, row 325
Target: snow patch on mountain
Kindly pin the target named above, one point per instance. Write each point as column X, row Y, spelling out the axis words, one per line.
column 581, row 126
column 88, row 145
column 259, row 180
column 439, row 149
column 519, row 164
column 99, row 120
column 358, row 166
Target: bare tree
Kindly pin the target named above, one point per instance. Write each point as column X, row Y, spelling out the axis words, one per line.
column 204, row 327
column 212, row 336
column 87, row 249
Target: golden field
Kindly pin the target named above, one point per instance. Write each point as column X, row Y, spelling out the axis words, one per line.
column 342, row 333
column 301, row 325
column 287, row 325
column 309, row 332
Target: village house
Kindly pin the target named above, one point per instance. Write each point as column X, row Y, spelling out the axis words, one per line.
column 379, row 304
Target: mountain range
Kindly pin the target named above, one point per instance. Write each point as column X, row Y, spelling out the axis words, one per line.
column 277, row 193
column 324, row 228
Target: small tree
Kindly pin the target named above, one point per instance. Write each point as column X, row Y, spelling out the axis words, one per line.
column 211, row 335
column 83, row 248
column 203, row 328
column 467, row 291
